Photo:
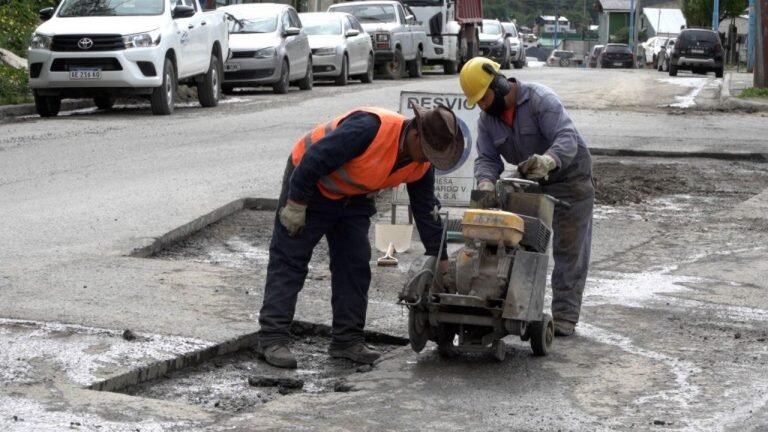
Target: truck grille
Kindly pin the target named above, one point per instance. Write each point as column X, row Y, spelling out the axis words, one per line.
column 99, row 43
column 103, row 63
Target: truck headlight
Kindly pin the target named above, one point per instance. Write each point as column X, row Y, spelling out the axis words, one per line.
column 382, row 37
column 142, row 40
column 40, row 41
column 265, row 53
column 437, row 40
column 499, row 41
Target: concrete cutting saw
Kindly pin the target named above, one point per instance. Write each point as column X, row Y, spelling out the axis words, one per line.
column 496, row 282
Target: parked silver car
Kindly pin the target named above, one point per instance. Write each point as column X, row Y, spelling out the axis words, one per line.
column 269, row 47
column 340, row 47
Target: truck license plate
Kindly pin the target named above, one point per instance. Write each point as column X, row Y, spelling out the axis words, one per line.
column 85, row 74
column 618, row 64
column 697, row 51
column 231, row 67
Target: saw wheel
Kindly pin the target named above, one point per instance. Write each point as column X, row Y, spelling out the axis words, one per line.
column 418, row 328
column 420, row 280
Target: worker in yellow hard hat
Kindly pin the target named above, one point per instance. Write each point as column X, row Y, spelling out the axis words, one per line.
column 526, row 124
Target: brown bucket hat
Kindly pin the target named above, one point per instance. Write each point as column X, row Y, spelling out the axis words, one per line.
column 441, row 138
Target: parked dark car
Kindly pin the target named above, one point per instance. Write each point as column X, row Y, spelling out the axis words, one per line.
column 699, row 51
column 594, row 55
column 616, row 55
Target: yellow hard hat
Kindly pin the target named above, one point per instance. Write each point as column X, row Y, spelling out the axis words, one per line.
column 475, row 78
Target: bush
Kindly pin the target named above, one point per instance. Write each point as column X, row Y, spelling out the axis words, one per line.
column 13, row 85
column 755, row 92
column 18, row 19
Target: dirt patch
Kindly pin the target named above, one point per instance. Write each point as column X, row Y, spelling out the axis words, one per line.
column 621, row 181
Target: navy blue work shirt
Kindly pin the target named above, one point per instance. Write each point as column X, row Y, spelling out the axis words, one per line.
column 350, row 139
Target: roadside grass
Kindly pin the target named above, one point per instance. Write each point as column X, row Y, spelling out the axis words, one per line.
column 14, row 87
column 755, row 92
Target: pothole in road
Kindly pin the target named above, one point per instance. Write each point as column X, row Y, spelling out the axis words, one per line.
column 239, row 382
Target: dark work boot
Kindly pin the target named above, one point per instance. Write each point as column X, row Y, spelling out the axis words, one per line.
column 564, row 328
column 358, row 353
column 277, row 355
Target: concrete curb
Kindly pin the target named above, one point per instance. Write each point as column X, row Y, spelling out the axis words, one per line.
column 11, row 111
column 196, row 225
column 752, row 157
column 729, row 101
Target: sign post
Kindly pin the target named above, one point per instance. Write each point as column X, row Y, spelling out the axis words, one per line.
column 453, row 187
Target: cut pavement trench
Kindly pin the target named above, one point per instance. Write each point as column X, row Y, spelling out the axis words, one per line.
column 238, row 382
column 237, row 236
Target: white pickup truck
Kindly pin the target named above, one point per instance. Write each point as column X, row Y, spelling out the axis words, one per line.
column 398, row 39
column 103, row 49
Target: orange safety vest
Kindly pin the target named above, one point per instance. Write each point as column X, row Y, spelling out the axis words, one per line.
column 372, row 170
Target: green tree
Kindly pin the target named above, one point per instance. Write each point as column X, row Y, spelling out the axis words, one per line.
column 698, row 13
column 18, row 19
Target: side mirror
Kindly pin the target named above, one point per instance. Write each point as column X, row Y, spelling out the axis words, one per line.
column 352, row 33
column 410, row 19
column 183, row 11
column 46, row 14
column 292, row 31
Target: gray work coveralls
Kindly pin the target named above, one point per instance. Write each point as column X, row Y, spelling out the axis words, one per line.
column 542, row 126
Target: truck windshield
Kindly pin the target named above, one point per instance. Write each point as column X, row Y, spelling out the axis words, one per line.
column 87, row 8
column 491, row 28
column 254, row 24
column 321, row 26
column 369, row 12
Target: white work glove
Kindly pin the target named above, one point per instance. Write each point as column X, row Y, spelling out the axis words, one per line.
column 486, row 185
column 293, row 217
column 537, row 167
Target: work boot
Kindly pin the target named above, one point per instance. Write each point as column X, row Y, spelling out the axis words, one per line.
column 358, row 353
column 564, row 328
column 277, row 355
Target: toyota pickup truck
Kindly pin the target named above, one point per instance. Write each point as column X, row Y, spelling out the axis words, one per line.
column 103, row 49
column 398, row 39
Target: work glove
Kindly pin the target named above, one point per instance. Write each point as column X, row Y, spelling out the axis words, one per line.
column 293, row 217
column 537, row 167
column 486, row 185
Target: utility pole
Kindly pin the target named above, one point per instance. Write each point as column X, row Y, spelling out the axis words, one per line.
column 761, row 57
column 631, row 35
column 716, row 15
column 751, row 37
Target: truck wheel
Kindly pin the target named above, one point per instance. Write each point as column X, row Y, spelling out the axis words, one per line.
column 672, row 70
column 306, row 82
column 542, row 334
column 47, row 106
column 341, row 80
column 414, row 66
column 208, row 89
column 164, row 97
column 367, row 78
column 505, row 61
column 518, row 64
column 394, row 69
column 450, row 67
column 281, row 86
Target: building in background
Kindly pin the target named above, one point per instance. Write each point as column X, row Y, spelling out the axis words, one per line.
column 661, row 22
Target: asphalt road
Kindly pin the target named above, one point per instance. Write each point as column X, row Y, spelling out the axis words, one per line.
column 81, row 191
